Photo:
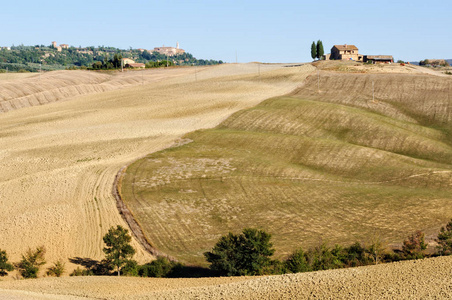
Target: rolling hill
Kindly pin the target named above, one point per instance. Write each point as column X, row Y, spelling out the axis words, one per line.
column 332, row 165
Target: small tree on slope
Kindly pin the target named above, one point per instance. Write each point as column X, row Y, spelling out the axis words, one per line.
column 5, row 266
column 31, row 262
column 444, row 240
column 118, row 249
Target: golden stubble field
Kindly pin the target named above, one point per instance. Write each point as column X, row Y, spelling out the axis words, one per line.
column 62, row 158
column 58, row 161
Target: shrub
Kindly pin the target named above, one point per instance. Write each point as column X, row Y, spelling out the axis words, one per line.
column 57, row 269
column 357, row 255
column 161, row 267
column 130, row 268
column 414, row 246
column 298, row 262
column 81, row 272
column 322, row 258
column 5, row 266
column 245, row 254
column 31, row 262
column 444, row 240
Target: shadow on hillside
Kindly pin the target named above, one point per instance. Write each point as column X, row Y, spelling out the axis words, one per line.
column 96, row 267
column 192, row 272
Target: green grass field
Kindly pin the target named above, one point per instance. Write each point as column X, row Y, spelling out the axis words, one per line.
column 310, row 167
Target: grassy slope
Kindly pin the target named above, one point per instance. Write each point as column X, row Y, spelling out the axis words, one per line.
column 333, row 166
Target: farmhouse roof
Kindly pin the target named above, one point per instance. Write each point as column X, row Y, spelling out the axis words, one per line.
column 137, row 65
column 345, row 47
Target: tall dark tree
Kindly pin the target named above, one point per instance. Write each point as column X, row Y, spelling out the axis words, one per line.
column 320, row 51
column 245, row 254
column 118, row 250
column 313, row 50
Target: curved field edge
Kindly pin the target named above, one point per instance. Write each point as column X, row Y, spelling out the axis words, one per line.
column 333, row 166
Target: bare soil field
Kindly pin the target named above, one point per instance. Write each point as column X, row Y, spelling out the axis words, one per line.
column 58, row 161
column 422, row 279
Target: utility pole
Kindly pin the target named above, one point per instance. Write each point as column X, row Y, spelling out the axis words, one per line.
column 373, row 92
column 318, row 80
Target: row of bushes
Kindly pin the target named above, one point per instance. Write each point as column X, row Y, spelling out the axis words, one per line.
column 248, row 253
column 30, row 264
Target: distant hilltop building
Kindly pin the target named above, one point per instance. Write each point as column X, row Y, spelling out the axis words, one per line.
column 350, row 52
column 60, row 47
column 170, row 51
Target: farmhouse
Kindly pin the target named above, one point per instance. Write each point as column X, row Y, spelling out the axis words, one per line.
column 345, row 52
column 350, row 52
column 129, row 63
column 137, row 65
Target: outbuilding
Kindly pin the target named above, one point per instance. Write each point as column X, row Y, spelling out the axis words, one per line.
column 382, row 59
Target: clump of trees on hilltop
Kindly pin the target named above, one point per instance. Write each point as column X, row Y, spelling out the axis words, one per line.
column 434, row 63
column 247, row 253
column 317, row 50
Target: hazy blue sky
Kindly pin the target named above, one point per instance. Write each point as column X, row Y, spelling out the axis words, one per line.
column 267, row 31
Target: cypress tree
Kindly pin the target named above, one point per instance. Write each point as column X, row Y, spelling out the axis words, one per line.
column 320, row 51
column 313, row 50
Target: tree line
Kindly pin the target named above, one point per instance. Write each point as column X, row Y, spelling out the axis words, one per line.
column 247, row 253
column 34, row 58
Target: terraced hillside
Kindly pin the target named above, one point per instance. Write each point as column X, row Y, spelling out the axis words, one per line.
column 330, row 165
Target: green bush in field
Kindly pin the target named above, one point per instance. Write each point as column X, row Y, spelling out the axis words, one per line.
column 31, row 262
column 444, row 240
column 245, row 254
column 161, row 267
column 131, row 268
column 81, row 272
column 57, row 269
column 298, row 262
column 5, row 266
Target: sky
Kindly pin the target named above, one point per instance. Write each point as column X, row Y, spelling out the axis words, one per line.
column 264, row 31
